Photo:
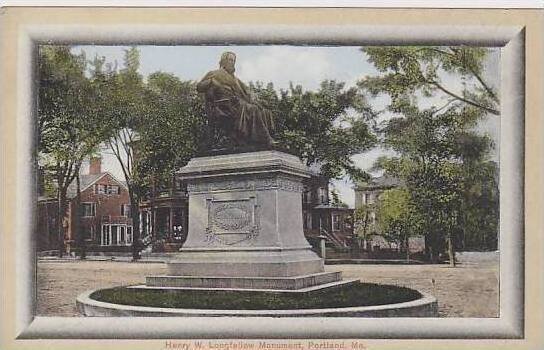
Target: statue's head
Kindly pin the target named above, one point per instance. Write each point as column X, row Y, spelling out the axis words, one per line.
column 228, row 59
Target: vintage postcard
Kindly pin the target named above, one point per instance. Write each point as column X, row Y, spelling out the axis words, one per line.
column 271, row 178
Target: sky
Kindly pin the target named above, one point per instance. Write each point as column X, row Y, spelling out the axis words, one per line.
column 281, row 65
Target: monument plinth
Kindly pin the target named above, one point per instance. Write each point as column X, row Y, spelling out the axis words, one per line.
column 245, row 226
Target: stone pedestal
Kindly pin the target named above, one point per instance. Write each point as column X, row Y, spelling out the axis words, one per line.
column 245, row 226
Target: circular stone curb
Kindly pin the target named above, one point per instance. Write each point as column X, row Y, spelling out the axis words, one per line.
column 426, row 306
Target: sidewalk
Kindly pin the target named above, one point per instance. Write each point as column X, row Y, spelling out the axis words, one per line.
column 469, row 290
column 115, row 258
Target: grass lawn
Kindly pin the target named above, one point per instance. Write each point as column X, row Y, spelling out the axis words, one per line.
column 359, row 294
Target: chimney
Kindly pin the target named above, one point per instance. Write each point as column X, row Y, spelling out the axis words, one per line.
column 95, row 165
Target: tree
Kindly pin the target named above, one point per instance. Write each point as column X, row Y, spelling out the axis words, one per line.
column 172, row 133
column 480, row 215
column 67, row 124
column 174, row 130
column 327, row 126
column 157, row 127
column 336, row 201
column 436, row 151
column 408, row 72
column 439, row 148
column 121, row 106
column 365, row 221
column 397, row 217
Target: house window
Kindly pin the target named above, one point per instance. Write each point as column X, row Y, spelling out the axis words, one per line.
column 307, row 196
column 106, row 235
column 367, row 198
column 307, row 220
column 125, row 210
column 86, row 233
column 322, row 195
column 179, row 185
column 100, row 189
column 116, row 234
column 113, row 189
column 114, row 231
column 88, row 209
column 336, row 222
column 107, row 189
column 89, row 233
column 121, row 239
column 129, row 235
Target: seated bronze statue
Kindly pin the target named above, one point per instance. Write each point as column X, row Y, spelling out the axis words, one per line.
column 236, row 121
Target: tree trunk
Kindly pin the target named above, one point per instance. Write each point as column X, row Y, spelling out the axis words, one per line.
column 407, row 244
column 152, row 220
column 433, row 250
column 80, row 238
column 61, row 196
column 136, row 239
column 451, row 250
column 427, row 247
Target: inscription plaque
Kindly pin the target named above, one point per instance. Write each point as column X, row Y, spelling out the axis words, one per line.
column 232, row 221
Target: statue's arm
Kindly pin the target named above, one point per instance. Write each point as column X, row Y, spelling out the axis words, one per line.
column 205, row 83
column 245, row 90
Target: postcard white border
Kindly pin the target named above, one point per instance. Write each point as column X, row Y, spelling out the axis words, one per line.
column 464, row 4
column 508, row 325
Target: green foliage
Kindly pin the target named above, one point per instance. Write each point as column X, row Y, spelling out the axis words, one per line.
column 442, row 158
column 173, row 128
column 69, row 127
column 442, row 163
column 132, row 60
column 409, row 73
column 155, row 125
column 397, row 216
column 364, row 223
column 327, row 126
column 480, row 213
column 69, row 124
column 336, row 201
column 122, row 109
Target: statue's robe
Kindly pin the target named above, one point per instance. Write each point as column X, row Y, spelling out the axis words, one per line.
column 229, row 103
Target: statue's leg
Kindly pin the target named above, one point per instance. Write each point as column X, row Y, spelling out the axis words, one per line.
column 260, row 132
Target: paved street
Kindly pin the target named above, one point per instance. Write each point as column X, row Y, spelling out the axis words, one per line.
column 469, row 290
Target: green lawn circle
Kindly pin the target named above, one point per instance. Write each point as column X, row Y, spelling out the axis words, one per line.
column 357, row 294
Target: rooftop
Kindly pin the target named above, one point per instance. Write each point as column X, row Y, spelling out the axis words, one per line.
column 384, row 181
column 331, row 206
column 86, row 181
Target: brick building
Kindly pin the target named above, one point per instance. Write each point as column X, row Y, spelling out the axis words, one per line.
column 47, row 224
column 106, row 221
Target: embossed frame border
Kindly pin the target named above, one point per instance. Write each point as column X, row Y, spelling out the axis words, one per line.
column 24, row 33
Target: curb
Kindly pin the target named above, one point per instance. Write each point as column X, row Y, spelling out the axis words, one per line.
column 426, row 306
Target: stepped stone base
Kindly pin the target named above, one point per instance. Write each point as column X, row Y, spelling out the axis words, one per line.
column 336, row 285
column 283, row 283
column 255, row 262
